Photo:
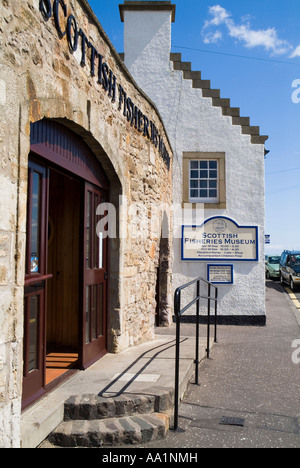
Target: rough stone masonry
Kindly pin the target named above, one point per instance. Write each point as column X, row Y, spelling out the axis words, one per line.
column 52, row 56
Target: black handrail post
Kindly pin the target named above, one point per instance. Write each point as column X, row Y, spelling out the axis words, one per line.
column 176, row 396
column 178, row 313
column 216, row 313
column 197, row 334
column 208, row 321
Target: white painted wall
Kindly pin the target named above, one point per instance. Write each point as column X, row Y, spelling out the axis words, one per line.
column 193, row 124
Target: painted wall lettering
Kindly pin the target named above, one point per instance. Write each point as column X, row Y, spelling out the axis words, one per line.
column 67, row 26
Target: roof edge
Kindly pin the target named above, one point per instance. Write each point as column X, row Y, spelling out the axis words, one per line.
column 129, row 5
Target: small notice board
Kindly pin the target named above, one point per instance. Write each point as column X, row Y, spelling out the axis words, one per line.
column 220, row 274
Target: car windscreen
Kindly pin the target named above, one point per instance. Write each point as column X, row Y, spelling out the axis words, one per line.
column 274, row 260
column 295, row 259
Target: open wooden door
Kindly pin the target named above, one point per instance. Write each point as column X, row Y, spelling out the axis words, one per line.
column 95, row 279
column 65, row 294
column 35, row 283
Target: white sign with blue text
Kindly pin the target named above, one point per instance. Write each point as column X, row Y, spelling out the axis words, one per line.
column 220, row 239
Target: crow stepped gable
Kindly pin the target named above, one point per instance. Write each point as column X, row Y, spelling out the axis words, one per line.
column 74, row 129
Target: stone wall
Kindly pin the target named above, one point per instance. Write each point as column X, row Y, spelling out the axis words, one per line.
column 42, row 77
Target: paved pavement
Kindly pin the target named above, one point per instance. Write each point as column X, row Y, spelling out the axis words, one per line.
column 250, row 381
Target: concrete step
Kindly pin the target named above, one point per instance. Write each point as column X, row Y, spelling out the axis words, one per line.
column 111, row 432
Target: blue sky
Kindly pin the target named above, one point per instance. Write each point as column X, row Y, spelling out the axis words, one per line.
column 250, row 50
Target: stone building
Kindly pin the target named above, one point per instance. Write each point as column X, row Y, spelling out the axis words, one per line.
column 98, row 156
column 218, row 168
column 85, row 192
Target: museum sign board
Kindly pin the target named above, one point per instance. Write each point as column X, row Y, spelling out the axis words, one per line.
column 219, row 239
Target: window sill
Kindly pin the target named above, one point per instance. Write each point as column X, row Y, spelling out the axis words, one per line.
column 207, row 206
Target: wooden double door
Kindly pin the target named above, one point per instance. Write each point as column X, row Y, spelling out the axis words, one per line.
column 65, row 294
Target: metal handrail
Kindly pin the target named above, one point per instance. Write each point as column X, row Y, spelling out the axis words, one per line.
column 178, row 313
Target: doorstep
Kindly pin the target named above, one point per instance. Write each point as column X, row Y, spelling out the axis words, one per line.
column 136, row 370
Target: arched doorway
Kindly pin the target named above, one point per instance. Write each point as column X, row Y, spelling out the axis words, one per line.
column 162, row 312
column 65, row 294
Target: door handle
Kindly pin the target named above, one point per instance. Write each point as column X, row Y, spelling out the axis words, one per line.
column 37, row 279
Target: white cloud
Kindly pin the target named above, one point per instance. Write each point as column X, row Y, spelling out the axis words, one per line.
column 213, row 38
column 220, row 15
column 266, row 38
column 296, row 52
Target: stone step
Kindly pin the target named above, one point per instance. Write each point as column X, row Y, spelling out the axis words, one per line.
column 213, row 93
column 88, row 407
column 192, row 75
column 201, row 84
column 250, row 130
column 111, row 432
column 175, row 57
column 259, row 139
column 183, row 66
column 221, row 102
column 105, row 421
column 242, row 121
column 94, row 407
column 231, row 111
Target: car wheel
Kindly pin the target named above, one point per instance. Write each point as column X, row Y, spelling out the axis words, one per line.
column 281, row 279
column 292, row 284
column 267, row 274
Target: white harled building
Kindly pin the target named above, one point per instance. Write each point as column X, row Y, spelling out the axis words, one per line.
column 218, row 163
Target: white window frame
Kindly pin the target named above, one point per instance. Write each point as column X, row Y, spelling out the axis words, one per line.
column 201, row 181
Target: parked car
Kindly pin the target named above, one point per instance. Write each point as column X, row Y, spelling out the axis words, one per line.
column 290, row 268
column 272, row 267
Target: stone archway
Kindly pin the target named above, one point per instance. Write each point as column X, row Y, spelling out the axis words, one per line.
column 67, row 280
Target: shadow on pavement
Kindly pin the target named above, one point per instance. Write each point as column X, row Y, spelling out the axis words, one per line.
column 275, row 285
